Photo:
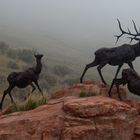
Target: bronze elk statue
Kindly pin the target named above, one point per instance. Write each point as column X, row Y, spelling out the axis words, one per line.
column 116, row 56
column 130, row 78
column 24, row 79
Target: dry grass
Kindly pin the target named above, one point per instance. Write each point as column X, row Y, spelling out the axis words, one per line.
column 31, row 103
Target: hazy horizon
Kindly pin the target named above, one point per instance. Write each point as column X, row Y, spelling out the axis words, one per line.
column 70, row 27
column 67, row 32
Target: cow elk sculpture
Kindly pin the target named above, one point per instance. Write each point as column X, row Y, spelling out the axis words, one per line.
column 131, row 79
column 116, row 56
column 23, row 79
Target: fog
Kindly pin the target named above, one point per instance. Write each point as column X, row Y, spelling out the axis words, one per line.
column 67, row 27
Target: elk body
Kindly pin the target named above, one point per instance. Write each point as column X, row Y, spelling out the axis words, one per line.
column 131, row 79
column 117, row 56
column 113, row 56
column 23, row 79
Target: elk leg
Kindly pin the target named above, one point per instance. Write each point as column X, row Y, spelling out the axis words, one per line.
column 99, row 71
column 7, row 91
column 33, row 89
column 94, row 63
column 118, row 82
column 2, row 99
column 36, row 82
column 12, row 100
column 119, row 67
column 131, row 65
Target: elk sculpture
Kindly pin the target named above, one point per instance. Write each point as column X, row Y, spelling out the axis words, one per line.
column 131, row 79
column 116, row 56
column 23, row 79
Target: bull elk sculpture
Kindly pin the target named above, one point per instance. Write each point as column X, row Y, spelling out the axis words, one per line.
column 116, row 56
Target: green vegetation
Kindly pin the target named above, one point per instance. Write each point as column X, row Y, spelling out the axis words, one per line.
column 3, row 47
column 61, row 70
column 87, row 94
column 31, row 103
column 12, row 65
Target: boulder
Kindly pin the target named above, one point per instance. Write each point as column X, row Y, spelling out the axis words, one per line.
column 72, row 118
column 67, row 116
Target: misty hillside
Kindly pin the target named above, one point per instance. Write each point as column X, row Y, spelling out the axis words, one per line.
column 57, row 71
column 67, row 33
column 52, row 47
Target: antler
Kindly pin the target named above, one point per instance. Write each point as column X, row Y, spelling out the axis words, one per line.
column 133, row 38
column 128, row 33
column 135, row 27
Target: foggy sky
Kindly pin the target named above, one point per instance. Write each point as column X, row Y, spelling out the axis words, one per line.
column 75, row 24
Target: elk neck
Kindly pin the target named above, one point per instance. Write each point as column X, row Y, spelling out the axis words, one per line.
column 38, row 66
column 137, row 49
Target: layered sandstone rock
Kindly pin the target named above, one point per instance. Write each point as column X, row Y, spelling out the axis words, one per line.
column 90, row 118
column 69, row 117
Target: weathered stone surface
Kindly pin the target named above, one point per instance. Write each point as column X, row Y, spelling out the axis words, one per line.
column 32, row 124
column 112, row 119
column 137, row 129
column 91, row 118
column 134, row 104
column 73, row 118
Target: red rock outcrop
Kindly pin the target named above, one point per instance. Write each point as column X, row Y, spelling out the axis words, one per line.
column 73, row 118
column 89, row 86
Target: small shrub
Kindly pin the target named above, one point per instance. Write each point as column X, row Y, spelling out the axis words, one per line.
column 2, row 77
column 32, row 103
column 3, row 47
column 26, row 55
column 12, row 65
column 49, row 80
column 87, row 94
column 42, row 101
column 12, row 53
column 61, row 70
column 12, row 108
